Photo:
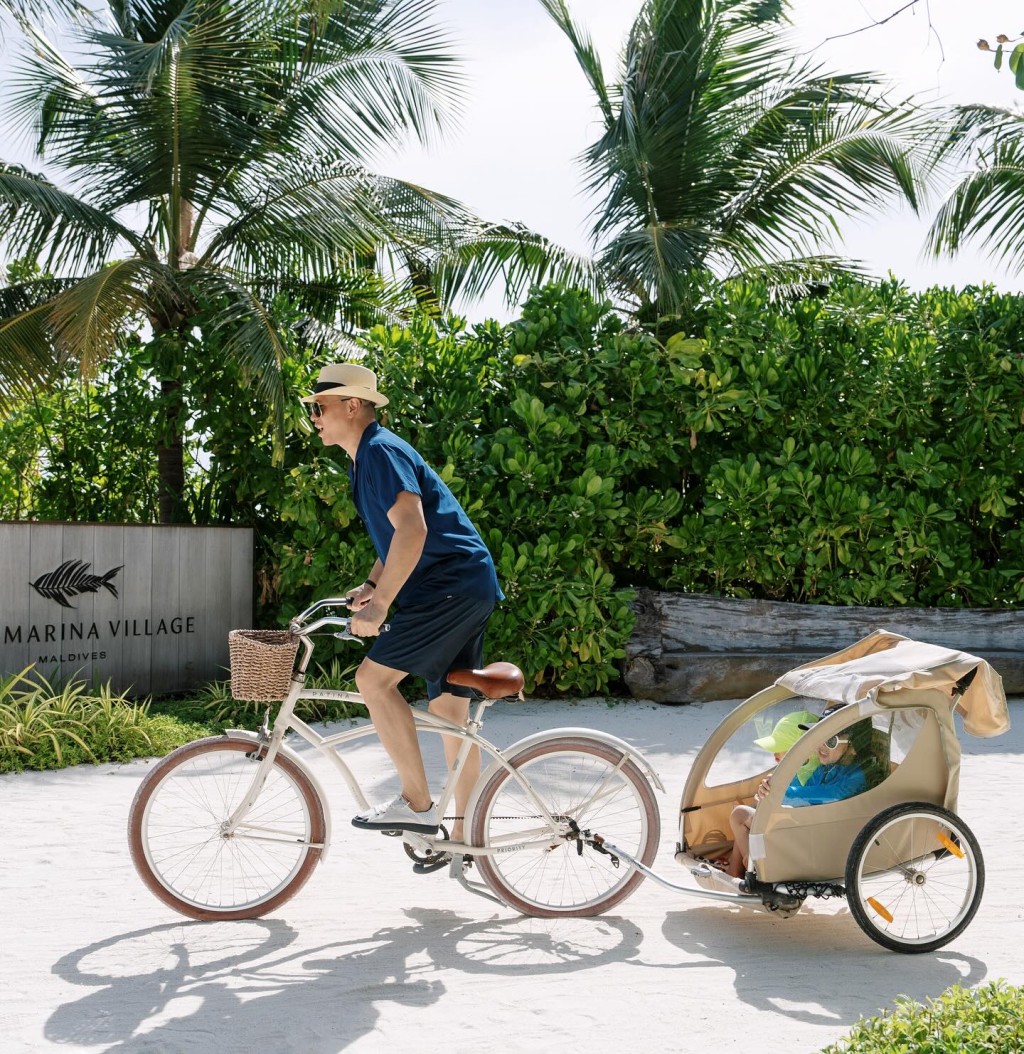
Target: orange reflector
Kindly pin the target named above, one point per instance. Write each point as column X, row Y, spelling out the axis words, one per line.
column 948, row 843
column 881, row 911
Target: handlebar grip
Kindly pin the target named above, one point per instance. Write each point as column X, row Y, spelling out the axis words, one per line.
column 385, row 628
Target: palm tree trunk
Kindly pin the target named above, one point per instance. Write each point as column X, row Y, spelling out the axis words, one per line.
column 170, row 454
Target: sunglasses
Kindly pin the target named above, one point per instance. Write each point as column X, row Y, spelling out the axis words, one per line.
column 833, row 741
column 318, row 409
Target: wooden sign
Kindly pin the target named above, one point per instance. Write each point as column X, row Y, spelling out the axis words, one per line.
column 146, row 608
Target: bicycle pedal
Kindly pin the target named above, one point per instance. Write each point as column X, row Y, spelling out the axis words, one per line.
column 392, row 834
column 434, row 863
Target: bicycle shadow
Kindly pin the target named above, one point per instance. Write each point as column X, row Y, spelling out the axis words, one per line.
column 197, row 987
column 818, row 969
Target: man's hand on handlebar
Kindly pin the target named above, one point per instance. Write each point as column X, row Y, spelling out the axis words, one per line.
column 359, row 597
column 366, row 621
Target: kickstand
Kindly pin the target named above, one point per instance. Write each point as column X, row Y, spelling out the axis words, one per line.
column 458, row 872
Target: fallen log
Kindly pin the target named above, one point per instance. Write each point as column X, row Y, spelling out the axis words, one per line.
column 688, row 648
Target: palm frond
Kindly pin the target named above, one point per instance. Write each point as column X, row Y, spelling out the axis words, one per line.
column 800, row 276
column 376, row 67
column 509, row 256
column 54, row 226
column 27, row 354
column 987, row 204
column 839, row 160
column 304, row 213
column 250, row 338
column 28, row 12
column 25, row 295
column 87, row 319
column 586, row 54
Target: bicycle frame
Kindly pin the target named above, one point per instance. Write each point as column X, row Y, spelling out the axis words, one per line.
column 271, row 741
column 231, row 827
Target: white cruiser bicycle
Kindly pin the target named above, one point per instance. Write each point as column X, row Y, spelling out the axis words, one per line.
column 232, row 826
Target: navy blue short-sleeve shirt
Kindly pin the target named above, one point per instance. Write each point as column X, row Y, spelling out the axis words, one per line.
column 455, row 560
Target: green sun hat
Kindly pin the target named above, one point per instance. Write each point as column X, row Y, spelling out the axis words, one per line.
column 786, row 732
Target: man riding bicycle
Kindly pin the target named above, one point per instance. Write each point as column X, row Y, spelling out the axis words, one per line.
column 432, row 568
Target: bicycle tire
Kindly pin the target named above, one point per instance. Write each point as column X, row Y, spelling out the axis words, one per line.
column 181, row 854
column 914, row 877
column 566, row 878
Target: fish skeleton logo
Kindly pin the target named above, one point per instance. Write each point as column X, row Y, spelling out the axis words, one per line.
column 72, row 578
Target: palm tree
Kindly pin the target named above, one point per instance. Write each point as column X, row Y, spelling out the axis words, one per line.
column 986, row 202
column 212, row 154
column 723, row 152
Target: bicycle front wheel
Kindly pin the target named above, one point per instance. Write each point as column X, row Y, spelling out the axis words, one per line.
column 585, row 785
column 914, row 877
column 183, row 853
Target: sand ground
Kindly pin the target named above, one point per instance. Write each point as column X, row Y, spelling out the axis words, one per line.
column 373, row 958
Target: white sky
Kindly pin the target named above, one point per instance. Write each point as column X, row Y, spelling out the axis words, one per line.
column 529, row 113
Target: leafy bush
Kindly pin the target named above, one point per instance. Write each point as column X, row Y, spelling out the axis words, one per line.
column 865, row 446
column 986, row 1020
column 45, row 728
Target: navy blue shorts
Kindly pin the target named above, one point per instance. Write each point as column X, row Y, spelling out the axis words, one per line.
column 428, row 640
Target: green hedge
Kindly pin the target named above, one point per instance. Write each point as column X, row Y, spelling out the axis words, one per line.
column 862, row 448
column 985, row 1020
column 858, row 447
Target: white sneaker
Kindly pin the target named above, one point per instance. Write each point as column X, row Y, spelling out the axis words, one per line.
column 397, row 816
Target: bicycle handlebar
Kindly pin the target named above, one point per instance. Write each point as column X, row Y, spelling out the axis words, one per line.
column 298, row 624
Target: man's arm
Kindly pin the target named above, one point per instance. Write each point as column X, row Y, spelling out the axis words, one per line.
column 404, row 552
column 362, row 594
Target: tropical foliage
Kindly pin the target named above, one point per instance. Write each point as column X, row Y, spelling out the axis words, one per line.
column 46, row 727
column 213, row 156
column 863, row 447
column 983, row 1020
column 721, row 150
column 986, row 202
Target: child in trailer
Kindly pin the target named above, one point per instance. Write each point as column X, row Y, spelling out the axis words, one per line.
column 846, row 764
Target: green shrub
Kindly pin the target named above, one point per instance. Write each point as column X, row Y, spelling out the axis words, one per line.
column 985, row 1020
column 862, row 447
column 866, row 447
column 46, row 728
column 214, row 706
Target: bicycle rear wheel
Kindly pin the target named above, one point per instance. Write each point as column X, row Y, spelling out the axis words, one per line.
column 585, row 784
column 182, row 853
column 914, row 877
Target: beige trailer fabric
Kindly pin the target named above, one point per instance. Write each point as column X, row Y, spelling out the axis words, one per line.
column 885, row 662
column 906, row 685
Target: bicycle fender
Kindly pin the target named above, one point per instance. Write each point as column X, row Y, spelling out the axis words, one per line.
column 251, row 737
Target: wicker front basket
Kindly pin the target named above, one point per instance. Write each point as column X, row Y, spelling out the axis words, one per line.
column 261, row 663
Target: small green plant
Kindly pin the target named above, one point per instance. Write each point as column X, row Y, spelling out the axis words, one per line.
column 215, row 707
column 986, row 1020
column 43, row 727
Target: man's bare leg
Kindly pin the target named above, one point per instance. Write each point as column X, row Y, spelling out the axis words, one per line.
column 396, row 729
column 456, row 709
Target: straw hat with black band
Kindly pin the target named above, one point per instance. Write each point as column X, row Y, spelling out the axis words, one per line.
column 346, row 378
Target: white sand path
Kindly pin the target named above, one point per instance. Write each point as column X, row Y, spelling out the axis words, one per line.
column 370, row 957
